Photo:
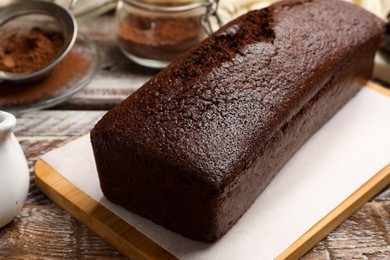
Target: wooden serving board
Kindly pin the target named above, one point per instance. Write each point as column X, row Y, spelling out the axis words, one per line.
column 134, row 244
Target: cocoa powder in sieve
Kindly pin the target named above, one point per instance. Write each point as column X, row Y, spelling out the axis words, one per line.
column 31, row 51
column 159, row 38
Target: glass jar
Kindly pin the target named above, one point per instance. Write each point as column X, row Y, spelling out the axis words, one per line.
column 152, row 33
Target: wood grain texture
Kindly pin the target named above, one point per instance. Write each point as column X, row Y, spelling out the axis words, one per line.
column 48, row 232
column 52, row 123
column 365, row 235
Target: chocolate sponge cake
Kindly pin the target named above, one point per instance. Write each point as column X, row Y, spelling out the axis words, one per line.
column 194, row 147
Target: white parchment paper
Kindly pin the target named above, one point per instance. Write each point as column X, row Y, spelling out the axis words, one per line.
column 352, row 147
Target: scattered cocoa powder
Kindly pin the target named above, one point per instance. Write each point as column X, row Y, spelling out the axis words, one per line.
column 159, row 38
column 28, row 52
column 59, row 80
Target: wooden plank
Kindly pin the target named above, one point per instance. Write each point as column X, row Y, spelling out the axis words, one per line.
column 51, row 123
column 49, row 232
column 99, row 219
column 364, row 235
column 321, row 229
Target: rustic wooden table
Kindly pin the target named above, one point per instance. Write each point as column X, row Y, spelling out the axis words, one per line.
column 42, row 230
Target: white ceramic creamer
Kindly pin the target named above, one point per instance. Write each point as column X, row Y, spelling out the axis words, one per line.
column 14, row 173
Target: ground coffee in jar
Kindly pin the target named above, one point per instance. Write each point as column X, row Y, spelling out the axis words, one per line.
column 153, row 33
column 159, row 38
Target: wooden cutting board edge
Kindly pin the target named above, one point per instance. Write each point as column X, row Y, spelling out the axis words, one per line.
column 378, row 88
column 133, row 243
column 338, row 215
column 95, row 216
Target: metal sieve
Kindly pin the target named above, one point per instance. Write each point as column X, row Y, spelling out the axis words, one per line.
column 65, row 20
